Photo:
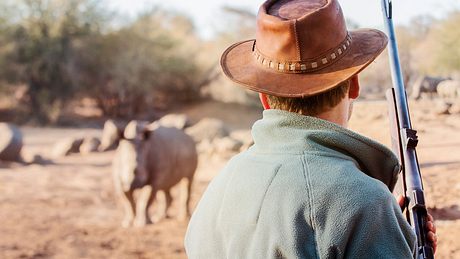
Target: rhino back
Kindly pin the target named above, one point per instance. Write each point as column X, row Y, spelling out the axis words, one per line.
column 170, row 156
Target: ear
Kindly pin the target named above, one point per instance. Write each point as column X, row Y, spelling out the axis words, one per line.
column 353, row 93
column 264, row 101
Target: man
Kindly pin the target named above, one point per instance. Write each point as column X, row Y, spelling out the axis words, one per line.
column 308, row 187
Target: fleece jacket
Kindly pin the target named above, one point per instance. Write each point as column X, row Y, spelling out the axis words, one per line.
column 307, row 188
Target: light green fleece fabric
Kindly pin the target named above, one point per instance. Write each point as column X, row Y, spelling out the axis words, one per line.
column 307, row 188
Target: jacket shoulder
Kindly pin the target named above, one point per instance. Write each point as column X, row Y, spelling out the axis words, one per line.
column 342, row 180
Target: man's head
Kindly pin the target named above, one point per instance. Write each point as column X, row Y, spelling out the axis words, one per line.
column 303, row 58
column 314, row 105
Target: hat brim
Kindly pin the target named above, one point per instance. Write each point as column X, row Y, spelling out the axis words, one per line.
column 240, row 66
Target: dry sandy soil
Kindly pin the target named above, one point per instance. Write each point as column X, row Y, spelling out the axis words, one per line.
column 67, row 209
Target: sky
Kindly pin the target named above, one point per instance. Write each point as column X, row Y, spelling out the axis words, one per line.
column 366, row 13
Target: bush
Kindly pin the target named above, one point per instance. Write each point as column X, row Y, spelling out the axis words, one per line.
column 69, row 49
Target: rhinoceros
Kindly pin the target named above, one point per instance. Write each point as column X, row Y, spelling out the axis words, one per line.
column 152, row 158
column 425, row 84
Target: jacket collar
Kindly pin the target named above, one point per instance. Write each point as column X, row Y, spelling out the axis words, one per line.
column 286, row 132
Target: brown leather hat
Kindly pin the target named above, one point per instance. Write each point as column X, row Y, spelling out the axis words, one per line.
column 302, row 48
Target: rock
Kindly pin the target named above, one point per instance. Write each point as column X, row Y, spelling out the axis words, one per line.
column 207, row 128
column 66, row 147
column 245, row 136
column 89, row 145
column 442, row 108
column 180, row 121
column 246, row 146
column 38, row 159
column 10, row 142
column 227, row 145
column 455, row 108
column 31, row 159
column 110, row 135
column 449, row 89
column 205, row 147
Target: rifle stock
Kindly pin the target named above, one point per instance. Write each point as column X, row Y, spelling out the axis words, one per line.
column 404, row 142
column 395, row 138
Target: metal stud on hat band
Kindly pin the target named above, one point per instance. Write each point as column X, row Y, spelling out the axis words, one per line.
column 304, row 66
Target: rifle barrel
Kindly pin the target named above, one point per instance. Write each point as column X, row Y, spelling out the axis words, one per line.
column 408, row 141
column 396, row 71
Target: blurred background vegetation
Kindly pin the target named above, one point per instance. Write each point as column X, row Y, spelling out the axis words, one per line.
column 59, row 53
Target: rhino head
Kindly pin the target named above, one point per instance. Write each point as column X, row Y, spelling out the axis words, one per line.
column 133, row 173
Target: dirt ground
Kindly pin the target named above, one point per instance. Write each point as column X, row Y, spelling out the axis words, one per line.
column 67, row 209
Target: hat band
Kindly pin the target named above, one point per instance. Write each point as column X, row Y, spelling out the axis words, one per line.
column 305, row 66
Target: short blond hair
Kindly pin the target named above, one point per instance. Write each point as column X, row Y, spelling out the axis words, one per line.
column 311, row 105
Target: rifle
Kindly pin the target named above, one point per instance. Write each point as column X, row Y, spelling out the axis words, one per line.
column 404, row 142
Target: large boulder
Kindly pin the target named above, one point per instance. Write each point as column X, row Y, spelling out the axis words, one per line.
column 227, row 145
column 205, row 147
column 449, row 89
column 455, row 108
column 66, row 147
column 31, row 159
column 245, row 136
column 209, row 129
column 442, row 108
column 10, row 142
column 110, row 135
column 180, row 121
column 89, row 145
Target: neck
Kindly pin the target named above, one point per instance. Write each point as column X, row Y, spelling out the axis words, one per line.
column 339, row 114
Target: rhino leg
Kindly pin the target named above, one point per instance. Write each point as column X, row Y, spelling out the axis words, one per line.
column 129, row 206
column 168, row 201
column 144, row 201
column 187, row 193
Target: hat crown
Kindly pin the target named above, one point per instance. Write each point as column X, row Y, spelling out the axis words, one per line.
column 301, row 30
column 302, row 48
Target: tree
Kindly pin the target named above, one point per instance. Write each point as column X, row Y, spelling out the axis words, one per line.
column 439, row 52
column 42, row 42
column 149, row 62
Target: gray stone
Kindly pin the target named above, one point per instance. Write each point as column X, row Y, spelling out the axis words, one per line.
column 10, row 142
column 455, row 108
column 227, row 145
column 207, row 128
column 110, row 135
column 442, row 108
column 89, row 145
column 449, row 89
column 180, row 121
column 66, row 147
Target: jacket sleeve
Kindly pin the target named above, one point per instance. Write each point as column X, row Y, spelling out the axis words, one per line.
column 371, row 226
